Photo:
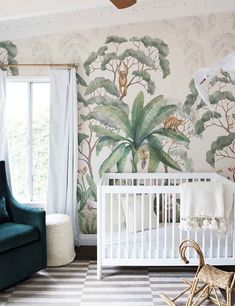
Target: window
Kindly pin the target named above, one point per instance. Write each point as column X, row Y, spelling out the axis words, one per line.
column 28, row 137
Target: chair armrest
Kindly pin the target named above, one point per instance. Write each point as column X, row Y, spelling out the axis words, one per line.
column 24, row 214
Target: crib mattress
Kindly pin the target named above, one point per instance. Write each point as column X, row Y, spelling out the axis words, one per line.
column 164, row 242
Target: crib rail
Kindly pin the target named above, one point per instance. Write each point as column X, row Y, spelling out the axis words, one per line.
column 138, row 222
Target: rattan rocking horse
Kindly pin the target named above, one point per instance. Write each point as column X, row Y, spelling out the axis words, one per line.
column 205, row 283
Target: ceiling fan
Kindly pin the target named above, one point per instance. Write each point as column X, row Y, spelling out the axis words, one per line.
column 121, row 4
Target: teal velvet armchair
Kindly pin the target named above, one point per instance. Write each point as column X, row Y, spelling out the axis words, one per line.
column 22, row 238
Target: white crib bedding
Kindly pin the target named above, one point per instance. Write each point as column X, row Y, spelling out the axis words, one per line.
column 213, row 246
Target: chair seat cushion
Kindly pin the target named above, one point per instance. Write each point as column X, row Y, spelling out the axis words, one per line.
column 13, row 235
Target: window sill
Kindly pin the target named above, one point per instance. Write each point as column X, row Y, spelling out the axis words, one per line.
column 35, row 204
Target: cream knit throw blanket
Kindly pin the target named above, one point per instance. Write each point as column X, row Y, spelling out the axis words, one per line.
column 206, row 205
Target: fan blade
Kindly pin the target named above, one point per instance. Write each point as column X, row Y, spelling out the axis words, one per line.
column 121, row 4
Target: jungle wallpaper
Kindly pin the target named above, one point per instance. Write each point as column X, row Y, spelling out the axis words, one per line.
column 138, row 106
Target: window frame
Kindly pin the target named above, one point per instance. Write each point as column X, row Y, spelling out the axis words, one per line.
column 30, row 80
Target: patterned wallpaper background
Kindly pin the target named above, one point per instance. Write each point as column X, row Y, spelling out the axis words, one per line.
column 138, row 106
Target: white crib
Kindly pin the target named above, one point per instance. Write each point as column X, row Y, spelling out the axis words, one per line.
column 138, row 222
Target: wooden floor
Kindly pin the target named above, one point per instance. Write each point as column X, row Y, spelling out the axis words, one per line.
column 86, row 252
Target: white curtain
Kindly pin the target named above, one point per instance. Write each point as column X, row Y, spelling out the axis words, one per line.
column 62, row 180
column 3, row 125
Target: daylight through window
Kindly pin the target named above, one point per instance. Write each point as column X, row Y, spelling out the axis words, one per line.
column 28, row 137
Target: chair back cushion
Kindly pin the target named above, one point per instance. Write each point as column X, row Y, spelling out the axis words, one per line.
column 13, row 235
column 4, row 216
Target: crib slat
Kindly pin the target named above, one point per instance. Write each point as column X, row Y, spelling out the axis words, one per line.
column 127, row 223
column 203, row 241
column 158, row 217
column 111, row 226
column 150, row 225
column 99, row 233
column 226, row 245
column 233, row 230
column 219, row 244
column 142, row 225
column 162, row 207
column 165, row 220
column 134, row 225
column 188, row 251
column 168, row 208
column 119, row 225
column 173, row 224
column 102, row 225
column 180, row 230
column 211, row 244
column 196, row 239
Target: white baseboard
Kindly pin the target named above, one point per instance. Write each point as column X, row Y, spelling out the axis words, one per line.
column 87, row 239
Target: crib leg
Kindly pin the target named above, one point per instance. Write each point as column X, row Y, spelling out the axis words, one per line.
column 99, row 271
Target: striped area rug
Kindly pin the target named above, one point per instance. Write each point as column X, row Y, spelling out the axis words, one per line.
column 76, row 285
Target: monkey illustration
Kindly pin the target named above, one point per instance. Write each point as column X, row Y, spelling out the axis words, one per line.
column 122, row 78
column 143, row 155
column 173, row 123
column 230, row 122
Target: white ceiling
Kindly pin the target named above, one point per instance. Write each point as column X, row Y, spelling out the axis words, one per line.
column 27, row 18
column 15, row 9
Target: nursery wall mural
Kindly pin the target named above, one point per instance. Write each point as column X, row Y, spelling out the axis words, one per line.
column 8, row 52
column 134, row 133
column 139, row 109
column 153, row 132
column 219, row 113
